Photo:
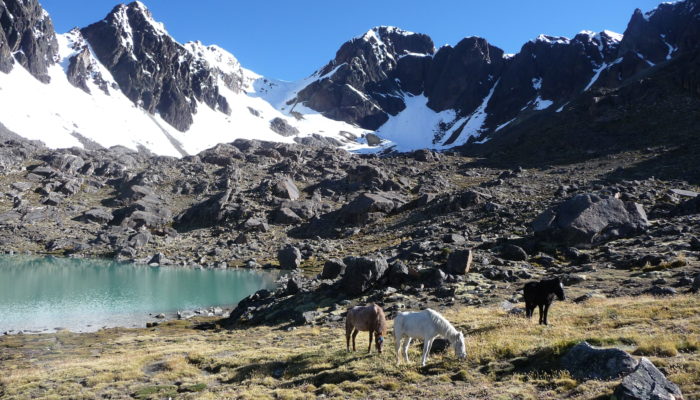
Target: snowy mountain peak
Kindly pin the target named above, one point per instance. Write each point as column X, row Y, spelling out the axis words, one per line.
column 228, row 67
column 552, row 39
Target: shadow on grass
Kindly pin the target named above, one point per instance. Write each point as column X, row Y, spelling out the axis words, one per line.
column 314, row 368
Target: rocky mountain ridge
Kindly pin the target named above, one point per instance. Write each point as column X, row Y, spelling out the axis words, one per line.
column 388, row 80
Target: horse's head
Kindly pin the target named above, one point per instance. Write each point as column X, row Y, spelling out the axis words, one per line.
column 459, row 347
column 559, row 289
column 379, row 342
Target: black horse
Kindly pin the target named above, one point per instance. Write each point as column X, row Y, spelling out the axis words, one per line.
column 542, row 294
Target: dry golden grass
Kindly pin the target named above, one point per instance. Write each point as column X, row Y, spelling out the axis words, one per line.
column 508, row 357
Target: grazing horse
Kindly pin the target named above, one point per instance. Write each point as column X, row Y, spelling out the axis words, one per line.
column 368, row 318
column 541, row 294
column 427, row 324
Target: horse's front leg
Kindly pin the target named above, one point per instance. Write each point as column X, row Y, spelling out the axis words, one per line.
column 354, row 335
column 541, row 309
column 546, row 311
column 426, row 349
column 369, row 350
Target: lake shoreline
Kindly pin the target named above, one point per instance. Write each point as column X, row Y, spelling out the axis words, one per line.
column 49, row 294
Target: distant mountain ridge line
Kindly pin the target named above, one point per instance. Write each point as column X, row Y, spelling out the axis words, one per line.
column 378, row 81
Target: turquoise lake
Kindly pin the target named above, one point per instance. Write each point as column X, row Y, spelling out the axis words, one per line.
column 40, row 294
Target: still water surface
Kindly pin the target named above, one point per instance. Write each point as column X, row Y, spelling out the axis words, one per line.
column 40, row 294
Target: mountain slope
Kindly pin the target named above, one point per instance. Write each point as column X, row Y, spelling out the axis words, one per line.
column 124, row 80
column 115, row 83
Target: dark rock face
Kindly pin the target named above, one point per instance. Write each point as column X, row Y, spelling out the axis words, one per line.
column 361, row 273
column 460, row 77
column 647, row 382
column 588, row 219
column 27, row 35
column 586, row 362
column 353, row 85
column 153, row 70
column 83, row 67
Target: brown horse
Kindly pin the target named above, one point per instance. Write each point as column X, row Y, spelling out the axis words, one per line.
column 369, row 318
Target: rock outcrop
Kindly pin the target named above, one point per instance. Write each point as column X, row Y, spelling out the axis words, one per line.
column 588, row 219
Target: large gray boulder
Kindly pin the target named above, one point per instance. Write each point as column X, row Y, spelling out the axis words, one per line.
column 588, row 219
column 368, row 207
column 289, row 257
column 361, row 273
column 585, row 362
column 646, row 382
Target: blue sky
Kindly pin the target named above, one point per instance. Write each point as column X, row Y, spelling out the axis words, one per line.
column 290, row 39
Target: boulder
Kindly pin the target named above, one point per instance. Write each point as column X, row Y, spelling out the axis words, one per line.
column 255, row 224
column 286, row 189
column 289, row 257
column 293, row 286
column 140, row 239
column 691, row 206
column 333, row 269
column 373, row 140
column 459, row 262
column 512, row 252
column 367, row 207
column 425, row 155
column 99, row 215
column 588, row 219
column 433, row 277
column 398, row 274
column 285, row 216
column 160, row 259
column 365, row 175
column 282, row 127
column 68, row 163
column 361, row 273
column 646, row 382
column 585, row 362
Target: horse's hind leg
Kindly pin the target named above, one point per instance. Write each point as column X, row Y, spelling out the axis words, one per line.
column 348, row 331
column 541, row 308
column 354, row 335
column 370, row 341
column 529, row 308
column 397, row 346
column 546, row 312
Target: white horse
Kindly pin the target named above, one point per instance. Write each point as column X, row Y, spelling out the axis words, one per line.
column 427, row 324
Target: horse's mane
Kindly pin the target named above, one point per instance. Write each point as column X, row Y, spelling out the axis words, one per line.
column 380, row 322
column 443, row 325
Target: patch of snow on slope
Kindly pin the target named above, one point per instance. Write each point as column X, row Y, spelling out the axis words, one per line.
column 416, row 126
column 537, row 83
column 598, row 71
column 671, row 49
column 541, row 104
column 53, row 112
